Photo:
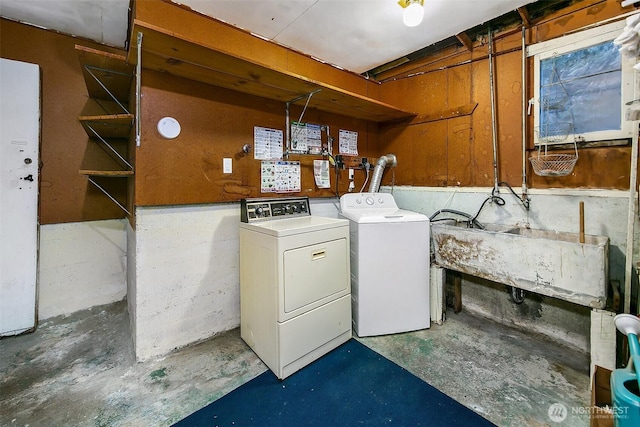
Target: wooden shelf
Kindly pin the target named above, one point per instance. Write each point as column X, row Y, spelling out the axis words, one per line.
column 166, row 52
column 106, row 75
column 107, row 174
column 108, row 126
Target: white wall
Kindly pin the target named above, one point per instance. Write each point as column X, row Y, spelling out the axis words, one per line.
column 131, row 279
column 187, row 278
column 186, row 286
column 182, row 284
column 81, row 265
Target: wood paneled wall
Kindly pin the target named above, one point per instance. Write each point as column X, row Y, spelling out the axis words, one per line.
column 65, row 195
column 457, row 150
column 216, row 123
column 448, row 144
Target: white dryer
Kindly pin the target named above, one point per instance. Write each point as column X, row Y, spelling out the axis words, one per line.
column 389, row 265
column 295, row 293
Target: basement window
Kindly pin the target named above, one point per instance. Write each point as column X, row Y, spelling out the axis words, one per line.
column 581, row 86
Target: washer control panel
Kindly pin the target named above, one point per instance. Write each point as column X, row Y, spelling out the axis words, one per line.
column 358, row 202
column 253, row 210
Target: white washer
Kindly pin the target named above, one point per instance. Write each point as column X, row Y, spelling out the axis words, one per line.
column 389, row 265
column 295, row 292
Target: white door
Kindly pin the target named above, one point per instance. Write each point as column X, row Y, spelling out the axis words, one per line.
column 19, row 142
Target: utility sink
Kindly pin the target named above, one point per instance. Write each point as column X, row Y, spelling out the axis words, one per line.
column 546, row 262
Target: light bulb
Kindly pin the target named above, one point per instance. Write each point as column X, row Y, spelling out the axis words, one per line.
column 413, row 14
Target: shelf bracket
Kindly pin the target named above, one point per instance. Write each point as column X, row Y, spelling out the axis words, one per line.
column 138, row 88
column 112, row 151
column 90, row 69
column 106, row 193
column 287, row 116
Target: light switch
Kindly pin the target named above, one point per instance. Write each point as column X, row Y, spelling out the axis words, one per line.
column 226, row 165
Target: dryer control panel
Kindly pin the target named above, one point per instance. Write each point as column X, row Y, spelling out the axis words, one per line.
column 253, row 210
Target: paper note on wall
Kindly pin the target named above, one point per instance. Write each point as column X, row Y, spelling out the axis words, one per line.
column 321, row 173
column 267, row 143
column 280, row 177
column 314, row 138
column 298, row 137
column 306, row 138
column 348, row 142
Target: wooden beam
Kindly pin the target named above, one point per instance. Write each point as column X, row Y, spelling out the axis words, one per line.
column 465, row 40
column 524, row 15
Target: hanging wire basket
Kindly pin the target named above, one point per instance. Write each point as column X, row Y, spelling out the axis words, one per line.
column 554, row 164
column 555, row 101
column 553, row 132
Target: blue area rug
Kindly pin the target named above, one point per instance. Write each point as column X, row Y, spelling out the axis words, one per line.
column 350, row 386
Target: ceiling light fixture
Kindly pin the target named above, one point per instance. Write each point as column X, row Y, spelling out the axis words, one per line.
column 413, row 12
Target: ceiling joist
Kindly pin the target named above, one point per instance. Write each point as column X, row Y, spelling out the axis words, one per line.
column 465, row 40
column 524, row 14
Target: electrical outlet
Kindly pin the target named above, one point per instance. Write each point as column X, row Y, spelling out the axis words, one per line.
column 227, row 165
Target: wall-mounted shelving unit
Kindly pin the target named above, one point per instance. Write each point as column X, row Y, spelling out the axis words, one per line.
column 108, row 79
column 169, row 52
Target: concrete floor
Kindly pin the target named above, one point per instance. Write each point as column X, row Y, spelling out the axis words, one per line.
column 80, row 371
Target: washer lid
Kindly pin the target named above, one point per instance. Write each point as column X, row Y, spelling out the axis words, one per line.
column 378, row 216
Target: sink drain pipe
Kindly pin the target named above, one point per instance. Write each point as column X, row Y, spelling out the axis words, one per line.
column 517, row 294
column 525, row 197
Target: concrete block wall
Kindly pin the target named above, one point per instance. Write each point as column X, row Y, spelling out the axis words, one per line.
column 81, row 265
column 186, row 285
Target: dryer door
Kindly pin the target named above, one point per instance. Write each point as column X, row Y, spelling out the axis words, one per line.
column 315, row 274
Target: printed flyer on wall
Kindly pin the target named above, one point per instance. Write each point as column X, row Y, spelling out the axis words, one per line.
column 280, row 177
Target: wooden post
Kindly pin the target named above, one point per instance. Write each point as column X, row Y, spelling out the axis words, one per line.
column 581, row 222
column 457, row 293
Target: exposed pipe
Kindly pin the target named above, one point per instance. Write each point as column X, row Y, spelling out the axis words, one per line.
column 525, row 198
column 517, row 295
column 493, row 116
column 139, row 91
column 471, row 223
column 631, row 220
column 384, row 161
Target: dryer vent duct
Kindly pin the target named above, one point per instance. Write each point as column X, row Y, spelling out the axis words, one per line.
column 384, row 161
